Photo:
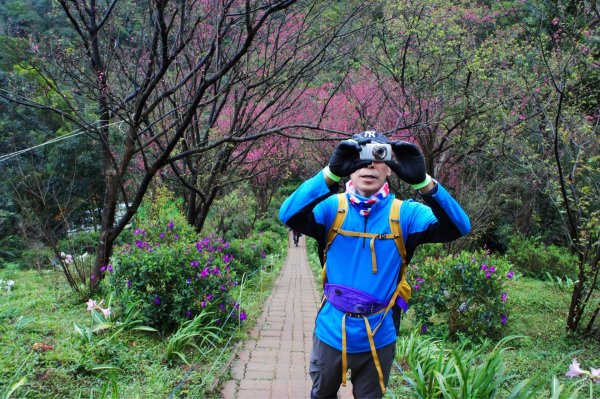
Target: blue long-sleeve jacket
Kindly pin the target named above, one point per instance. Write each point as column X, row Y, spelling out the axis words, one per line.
column 312, row 208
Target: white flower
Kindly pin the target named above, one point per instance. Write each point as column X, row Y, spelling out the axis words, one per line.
column 575, row 370
column 595, row 375
column 105, row 312
column 91, row 305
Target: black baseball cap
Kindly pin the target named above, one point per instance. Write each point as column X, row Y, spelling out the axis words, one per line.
column 372, row 135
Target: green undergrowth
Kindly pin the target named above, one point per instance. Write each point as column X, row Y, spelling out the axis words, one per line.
column 42, row 355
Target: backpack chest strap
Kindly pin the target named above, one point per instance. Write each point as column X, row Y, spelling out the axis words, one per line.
column 373, row 237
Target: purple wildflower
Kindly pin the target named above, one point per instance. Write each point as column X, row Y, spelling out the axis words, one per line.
column 203, row 304
column 243, row 316
column 510, row 275
column 110, row 268
column 176, row 237
column 128, row 283
column 492, row 269
column 423, row 329
column 162, row 235
column 170, row 225
column 488, row 274
column 188, row 314
column 209, row 297
column 504, row 296
column 156, row 300
column 484, row 267
column 503, row 319
column 188, row 281
column 102, row 269
column 416, row 286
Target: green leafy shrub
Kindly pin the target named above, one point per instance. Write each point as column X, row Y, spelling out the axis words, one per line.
column 37, row 257
column 272, row 225
column 174, row 275
column 248, row 256
column 226, row 218
column 430, row 251
column 158, row 216
column 79, row 243
column 534, row 259
column 174, row 280
column 250, row 252
column 463, row 293
column 11, row 247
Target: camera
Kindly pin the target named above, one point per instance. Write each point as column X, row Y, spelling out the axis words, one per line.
column 376, row 152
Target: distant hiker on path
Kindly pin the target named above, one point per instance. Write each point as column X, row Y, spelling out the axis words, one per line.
column 296, row 234
column 366, row 239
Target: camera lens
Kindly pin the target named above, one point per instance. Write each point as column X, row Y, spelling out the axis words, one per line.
column 379, row 152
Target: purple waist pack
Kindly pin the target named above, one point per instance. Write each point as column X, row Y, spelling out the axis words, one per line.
column 351, row 300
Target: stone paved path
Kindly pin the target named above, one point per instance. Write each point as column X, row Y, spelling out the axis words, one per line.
column 273, row 363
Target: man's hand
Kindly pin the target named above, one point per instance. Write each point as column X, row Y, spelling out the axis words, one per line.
column 344, row 161
column 409, row 164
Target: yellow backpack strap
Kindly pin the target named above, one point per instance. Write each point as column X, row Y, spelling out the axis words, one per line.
column 340, row 216
column 396, row 228
column 403, row 288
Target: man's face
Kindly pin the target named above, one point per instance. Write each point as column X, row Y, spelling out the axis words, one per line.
column 370, row 179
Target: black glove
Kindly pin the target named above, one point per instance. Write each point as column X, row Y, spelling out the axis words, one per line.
column 409, row 164
column 344, row 161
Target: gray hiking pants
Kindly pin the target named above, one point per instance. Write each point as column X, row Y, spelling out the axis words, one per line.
column 325, row 370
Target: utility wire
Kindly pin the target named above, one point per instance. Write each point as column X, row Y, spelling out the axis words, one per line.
column 70, row 135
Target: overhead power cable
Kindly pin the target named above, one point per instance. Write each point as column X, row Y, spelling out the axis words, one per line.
column 70, row 135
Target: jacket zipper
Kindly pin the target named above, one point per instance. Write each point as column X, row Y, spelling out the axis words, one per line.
column 365, row 230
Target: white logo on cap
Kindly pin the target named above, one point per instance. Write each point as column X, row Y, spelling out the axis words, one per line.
column 370, row 134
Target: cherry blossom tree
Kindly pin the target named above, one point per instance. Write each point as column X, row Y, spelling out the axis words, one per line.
column 179, row 85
